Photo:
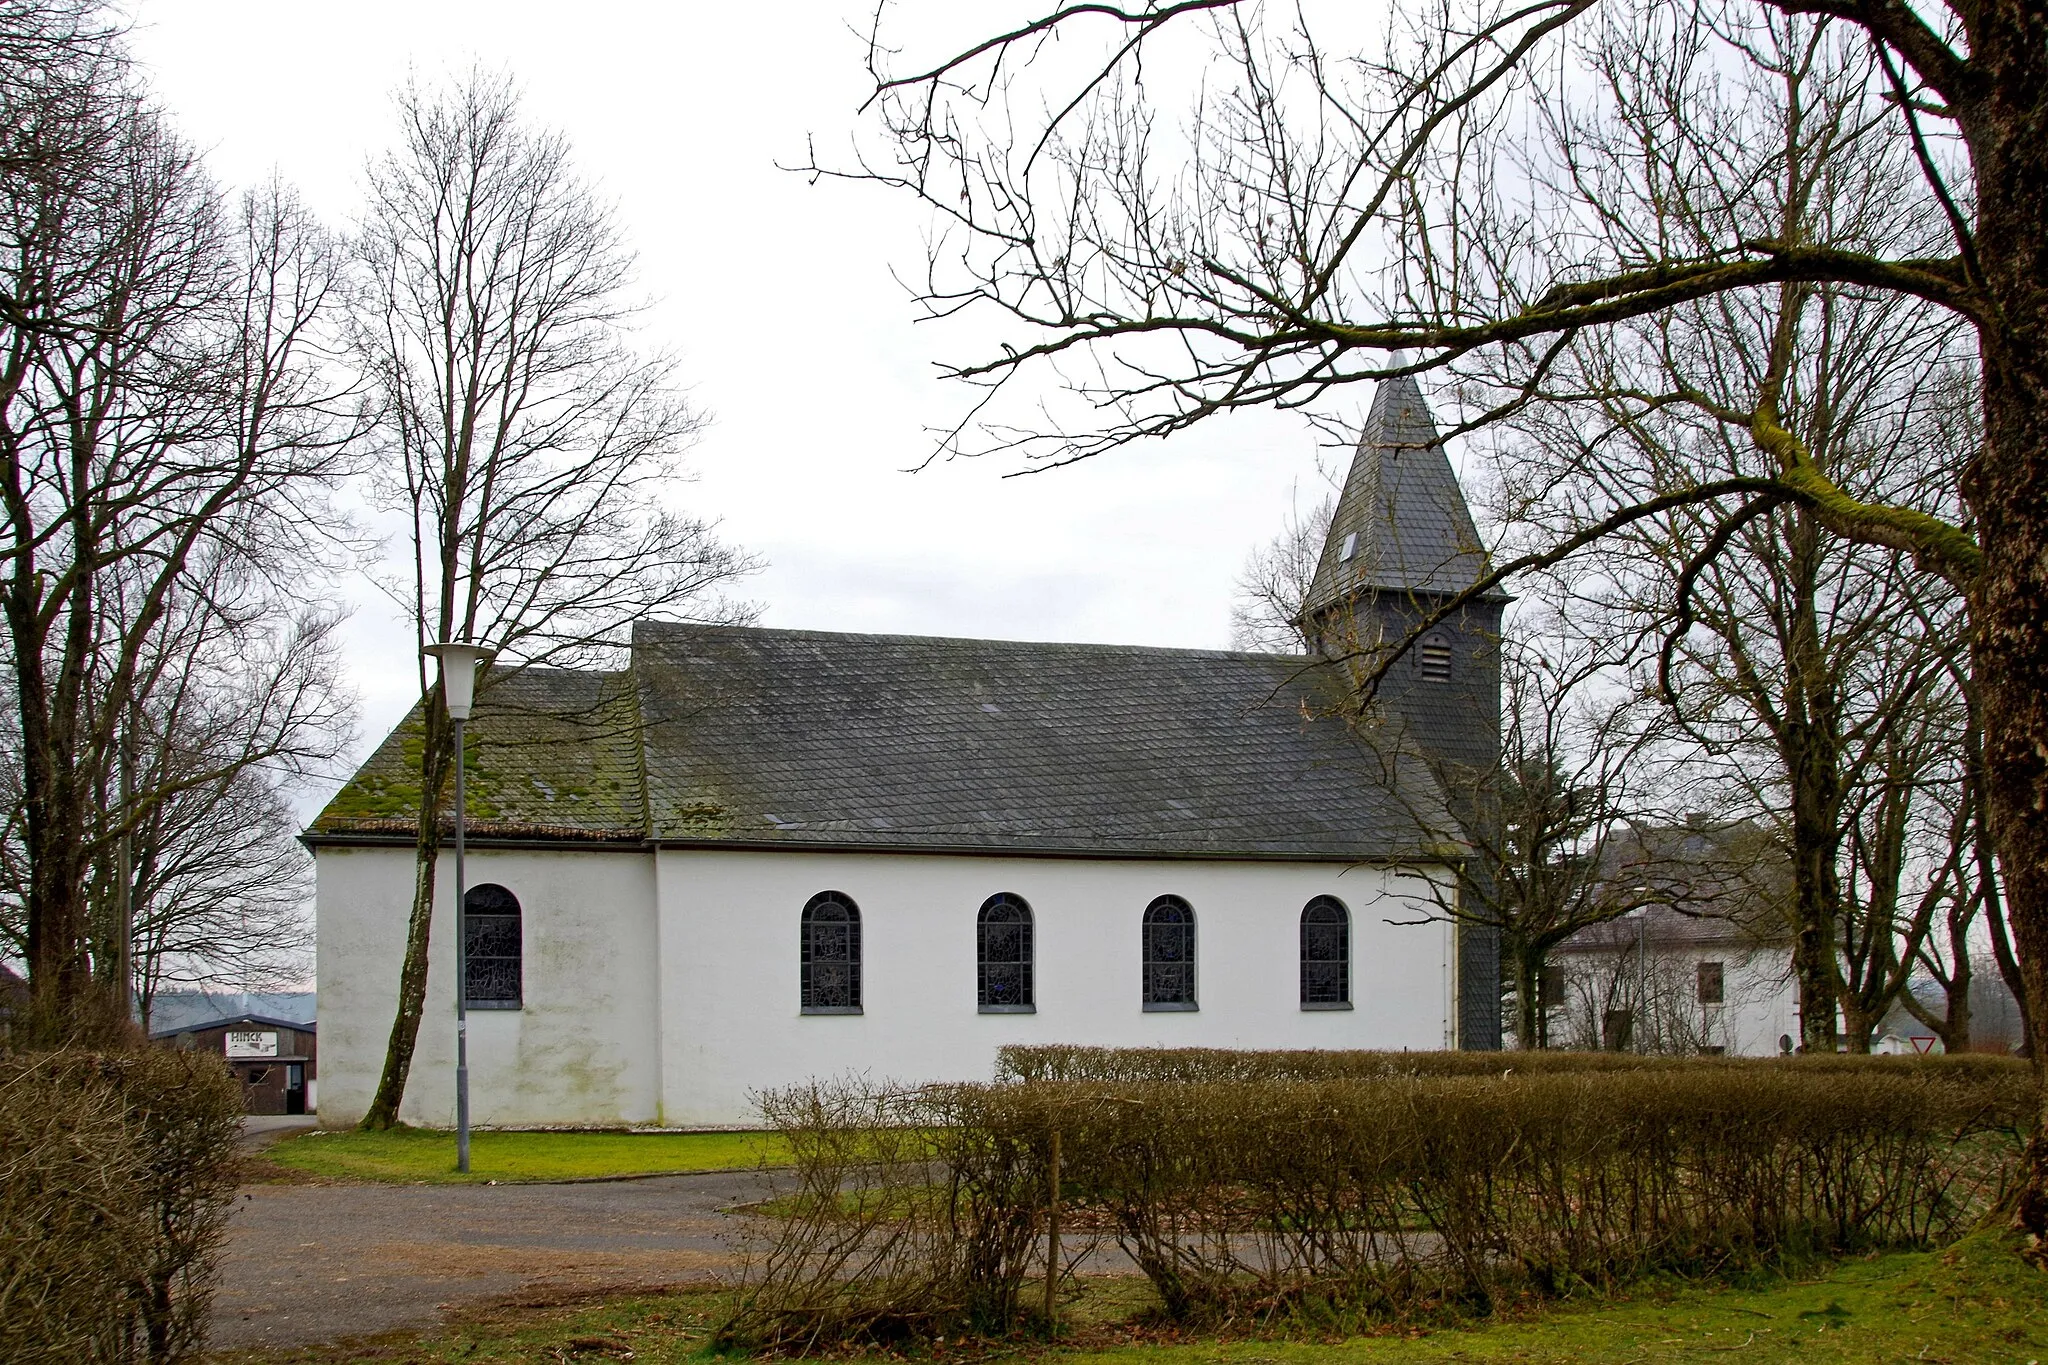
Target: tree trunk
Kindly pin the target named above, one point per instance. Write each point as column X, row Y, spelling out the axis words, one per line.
column 1857, row 1026
column 436, row 755
column 2004, row 119
column 1810, row 750
column 1527, row 965
column 1816, row 919
column 1955, row 1028
column 66, row 1003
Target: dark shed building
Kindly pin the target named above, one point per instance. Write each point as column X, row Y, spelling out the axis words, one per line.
column 274, row 1059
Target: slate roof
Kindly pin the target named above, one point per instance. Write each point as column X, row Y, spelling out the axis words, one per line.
column 1704, row 883
column 554, row 754
column 1662, row 926
column 780, row 738
column 1401, row 500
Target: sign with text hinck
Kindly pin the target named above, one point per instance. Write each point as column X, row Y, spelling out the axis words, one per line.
column 242, row 1044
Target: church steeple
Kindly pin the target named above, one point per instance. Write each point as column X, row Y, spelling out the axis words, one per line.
column 1401, row 546
column 1401, row 525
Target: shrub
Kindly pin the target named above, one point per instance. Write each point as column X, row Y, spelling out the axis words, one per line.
column 1135, row 1064
column 1386, row 1185
column 117, row 1172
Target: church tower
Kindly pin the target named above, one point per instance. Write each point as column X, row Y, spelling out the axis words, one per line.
column 1401, row 545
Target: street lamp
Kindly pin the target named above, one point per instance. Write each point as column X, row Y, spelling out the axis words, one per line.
column 459, row 665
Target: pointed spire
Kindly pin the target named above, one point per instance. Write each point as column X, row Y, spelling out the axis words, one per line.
column 1401, row 524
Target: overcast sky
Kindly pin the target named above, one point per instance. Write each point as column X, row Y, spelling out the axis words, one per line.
column 777, row 295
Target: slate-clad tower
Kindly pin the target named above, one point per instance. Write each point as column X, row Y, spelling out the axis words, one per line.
column 1401, row 545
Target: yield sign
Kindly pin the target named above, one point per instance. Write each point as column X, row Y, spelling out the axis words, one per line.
column 1923, row 1043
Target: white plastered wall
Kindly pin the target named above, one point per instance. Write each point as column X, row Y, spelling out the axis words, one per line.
column 1759, row 1004
column 730, row 968
column 584, row 1049
column 1761, row 1000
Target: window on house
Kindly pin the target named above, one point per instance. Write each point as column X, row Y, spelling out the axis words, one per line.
column 1550, row 988
column 493, row 972
column 1349, row 550
column 1710, row 983
column 1169, row 954
column 831, row 954
column 1003, row 952
column 1433, row 657
column 1325, row 955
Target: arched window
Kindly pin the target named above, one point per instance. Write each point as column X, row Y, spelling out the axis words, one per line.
column 493, row 975
column 831, row 954
column 1325, row 955
column 1169, row 954
column 1003, row 949
column 1433, row 657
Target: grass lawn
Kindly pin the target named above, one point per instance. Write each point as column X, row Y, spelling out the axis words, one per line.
column 408, row 1155
column 1975, row 1302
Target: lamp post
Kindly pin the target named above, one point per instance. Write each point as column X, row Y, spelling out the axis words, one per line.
column 459, row 664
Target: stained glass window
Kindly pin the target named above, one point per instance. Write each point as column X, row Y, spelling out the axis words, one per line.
column 831, row 954
column 1004, row 952
column 1325, row 952
column 492, row 947
column 1169, row 954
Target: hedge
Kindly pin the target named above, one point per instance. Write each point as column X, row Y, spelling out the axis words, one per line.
column 1137, row 1064
column 1373, row 1189
column 117, row 1173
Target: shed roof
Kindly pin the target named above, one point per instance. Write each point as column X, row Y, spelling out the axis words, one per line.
column 260, row 1020
column 726, row 736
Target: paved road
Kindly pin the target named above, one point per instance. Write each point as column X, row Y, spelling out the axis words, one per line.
column 313, row 1263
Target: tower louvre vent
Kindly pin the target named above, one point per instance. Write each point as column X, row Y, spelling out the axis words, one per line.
column 1433, row 657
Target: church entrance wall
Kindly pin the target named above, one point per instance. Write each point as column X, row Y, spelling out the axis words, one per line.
column 580, row 1048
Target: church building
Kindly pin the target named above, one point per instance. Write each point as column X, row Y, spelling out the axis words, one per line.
column 752, row 857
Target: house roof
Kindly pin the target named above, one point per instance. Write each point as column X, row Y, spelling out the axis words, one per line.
column 1401, row 511
column 1662, row 926
column 1697, row 884
column 734, row 736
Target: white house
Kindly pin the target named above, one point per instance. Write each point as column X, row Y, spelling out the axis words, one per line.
column 1663, row 980
column 753, row 857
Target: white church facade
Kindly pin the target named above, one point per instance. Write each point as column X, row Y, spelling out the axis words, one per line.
column 755, row 857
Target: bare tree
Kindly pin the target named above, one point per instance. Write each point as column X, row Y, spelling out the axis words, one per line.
column 1546, row 831
column 195, row 868
column 1273, row 587
column 1314, row 212
column 523, row 438
column 162, row 408
column 1800, row 655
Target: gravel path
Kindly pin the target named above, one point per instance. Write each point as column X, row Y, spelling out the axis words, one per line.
column 315, row 1263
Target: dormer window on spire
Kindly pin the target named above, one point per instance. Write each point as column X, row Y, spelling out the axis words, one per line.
column 1348, row 551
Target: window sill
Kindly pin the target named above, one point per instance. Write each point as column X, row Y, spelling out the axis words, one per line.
column 494, row 1004
column 1171, row 1007
column 1326, row 1004
column 1008, row 1009
column 830, row 1009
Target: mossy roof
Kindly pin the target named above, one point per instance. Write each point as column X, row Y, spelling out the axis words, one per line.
column 551, row 753
column 779, row 738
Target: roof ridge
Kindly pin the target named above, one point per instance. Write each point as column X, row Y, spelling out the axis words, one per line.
column 891, row 637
